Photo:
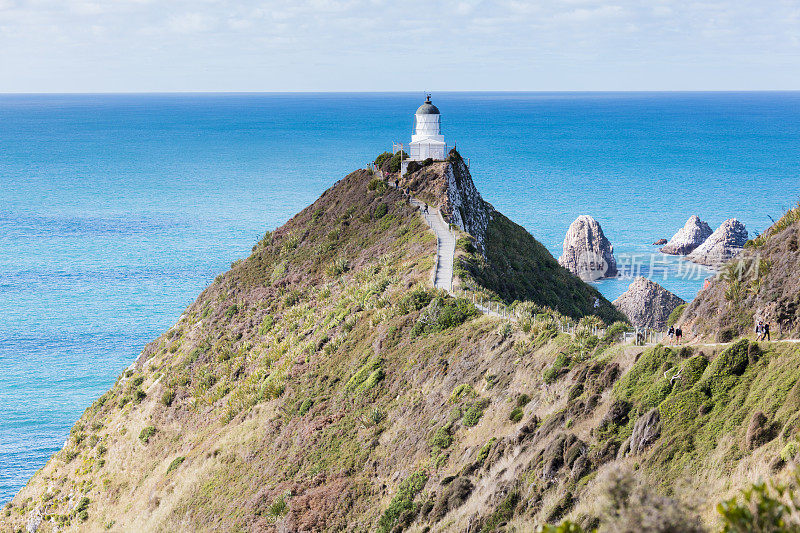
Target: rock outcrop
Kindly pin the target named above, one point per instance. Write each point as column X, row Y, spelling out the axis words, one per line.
column 647, row 304
column 726, row 242
column 587, row 253
column 660, row 242
column 690, row 236
column 467, row 209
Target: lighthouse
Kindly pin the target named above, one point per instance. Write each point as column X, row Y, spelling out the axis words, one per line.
column 427, row 140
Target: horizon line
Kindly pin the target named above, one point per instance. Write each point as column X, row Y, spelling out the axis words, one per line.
column 408, row 92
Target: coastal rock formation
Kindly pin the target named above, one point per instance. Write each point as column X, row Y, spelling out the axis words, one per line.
column 726, row 242
column 467, row 209
column 690, row 236
column 647, row 304
column 660, row 242
column 587, row 252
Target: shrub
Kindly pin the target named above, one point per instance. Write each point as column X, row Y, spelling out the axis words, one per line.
column 523, row 400
column 147, row 433
column 484, row 451
column 139, row 395
column 763, row 507
column 415, row 300
column 380, row 211
column 790, row 451
column 474, row 413
column 675, row 315
column 377, row 185
column 137, row 381
column 444, row 313
column 231, row 311
column 462, row 392
column 178, row 461
column 442, row 438
column 168, row 397
column 381, row 159
column 305, row 406
column 338, row 267
column 366, row 377
column 515, row 415
column 402, row 501
column 394, row 162
column 561, row 362
column 412, row 167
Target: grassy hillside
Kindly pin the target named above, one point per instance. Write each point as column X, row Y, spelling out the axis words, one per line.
column 321, row 385
column 760, row 284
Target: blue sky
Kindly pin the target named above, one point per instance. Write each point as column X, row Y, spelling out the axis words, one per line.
column 375, row 45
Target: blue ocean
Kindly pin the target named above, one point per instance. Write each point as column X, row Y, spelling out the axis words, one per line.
column 117, row 210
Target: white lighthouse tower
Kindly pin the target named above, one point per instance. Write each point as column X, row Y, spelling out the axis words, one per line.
column 427, row 140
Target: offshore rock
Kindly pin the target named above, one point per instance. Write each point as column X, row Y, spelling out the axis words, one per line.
column 647, row 304
column 587, row 253
column 690, row 236
column 726, row 242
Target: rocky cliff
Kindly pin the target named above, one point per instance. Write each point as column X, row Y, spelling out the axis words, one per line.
column 321, row 385
column 647, row 304
column 690, row 236
column 587, row 253
column 726, row 242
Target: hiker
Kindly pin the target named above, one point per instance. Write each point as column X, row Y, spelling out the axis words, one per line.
column 426, row 208
column 396, row 184
column 671, row 334
column 678, row 335
column 765, row 331
column 759, row 330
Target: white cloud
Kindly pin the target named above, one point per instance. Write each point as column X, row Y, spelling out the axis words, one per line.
column 462, row 42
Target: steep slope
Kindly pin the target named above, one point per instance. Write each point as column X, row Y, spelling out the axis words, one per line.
column 496, row 256
column 759, row 284
column 320, row 385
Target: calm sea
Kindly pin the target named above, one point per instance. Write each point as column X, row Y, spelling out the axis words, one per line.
column 116, row 211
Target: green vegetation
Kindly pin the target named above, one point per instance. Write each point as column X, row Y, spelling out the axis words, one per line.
column 178, row 461
column 382, row 158
column 147, row 433
column 516, row 414
column 367, row 376
column 402, row 501
column 474, row 412
column 394, row 162
column 377, row 185
column 443, row 313
column 675, row 315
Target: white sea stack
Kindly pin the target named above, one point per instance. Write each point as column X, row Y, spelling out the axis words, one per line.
column 587, row 253
column 690, row 236
column 726, row 242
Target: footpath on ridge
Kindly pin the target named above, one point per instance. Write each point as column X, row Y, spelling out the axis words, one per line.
column 445, row 256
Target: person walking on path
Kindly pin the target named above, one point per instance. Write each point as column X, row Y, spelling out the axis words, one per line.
column 759, row 330
column 765, row 331
column 678, row 335
column 396, row 184
column 425, row 209
column 671, row 334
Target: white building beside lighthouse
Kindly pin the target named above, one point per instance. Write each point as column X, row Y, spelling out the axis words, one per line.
column 427, row 141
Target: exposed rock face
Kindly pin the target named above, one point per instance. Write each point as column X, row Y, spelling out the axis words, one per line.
column 660, row 242
column 587, row 252
column 726, row 242
column 690, row 236
column 467, row 209
column 645, row 432
column 647, row 304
